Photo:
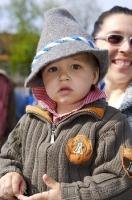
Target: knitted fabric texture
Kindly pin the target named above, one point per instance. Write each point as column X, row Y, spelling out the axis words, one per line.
column 101, row 177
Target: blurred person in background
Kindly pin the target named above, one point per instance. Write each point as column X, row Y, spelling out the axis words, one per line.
column 113, row 31
column 7, row 106
column 23, row 97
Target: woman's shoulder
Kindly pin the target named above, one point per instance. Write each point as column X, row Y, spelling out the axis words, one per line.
column 126, row 105
column 113, row 116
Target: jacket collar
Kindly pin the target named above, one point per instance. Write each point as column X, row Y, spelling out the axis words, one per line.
column 38, row 111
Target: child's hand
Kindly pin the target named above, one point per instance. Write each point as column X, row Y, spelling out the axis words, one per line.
column 52, row 194
column 11, row 185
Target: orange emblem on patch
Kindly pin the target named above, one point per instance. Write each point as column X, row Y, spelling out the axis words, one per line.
column 127, row 160
column 79, row 149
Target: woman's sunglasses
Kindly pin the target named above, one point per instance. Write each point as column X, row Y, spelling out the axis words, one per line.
column 115, row 39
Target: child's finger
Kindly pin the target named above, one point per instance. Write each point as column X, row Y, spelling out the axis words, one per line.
column 18, row 184
column 50, row 182
column 21, row 197
column 38, row 196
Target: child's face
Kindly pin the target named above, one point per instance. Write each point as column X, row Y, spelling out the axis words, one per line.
column 68, row 80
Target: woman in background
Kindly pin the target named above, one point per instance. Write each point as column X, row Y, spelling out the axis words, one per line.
column 113, row 31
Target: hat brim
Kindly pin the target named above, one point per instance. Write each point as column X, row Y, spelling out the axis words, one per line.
column 62, row 51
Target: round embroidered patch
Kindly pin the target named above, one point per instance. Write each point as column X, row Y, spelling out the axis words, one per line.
column 79, row 149
column 127, row 160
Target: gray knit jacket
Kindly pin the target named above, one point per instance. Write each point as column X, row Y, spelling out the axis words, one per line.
column 106, row 172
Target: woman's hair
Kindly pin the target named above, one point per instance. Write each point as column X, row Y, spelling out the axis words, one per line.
column 104, row 15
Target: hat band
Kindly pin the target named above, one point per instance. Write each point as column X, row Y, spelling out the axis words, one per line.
column 89, row 42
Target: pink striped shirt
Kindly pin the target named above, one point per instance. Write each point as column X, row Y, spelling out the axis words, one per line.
column 48, row 104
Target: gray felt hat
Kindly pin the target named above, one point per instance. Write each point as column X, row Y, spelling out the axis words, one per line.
column 62, row 36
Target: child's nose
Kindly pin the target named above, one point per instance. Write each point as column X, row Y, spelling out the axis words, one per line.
column 64, row 76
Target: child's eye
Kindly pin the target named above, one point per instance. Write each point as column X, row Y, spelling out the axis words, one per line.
column 76, row 66
column 52, row 69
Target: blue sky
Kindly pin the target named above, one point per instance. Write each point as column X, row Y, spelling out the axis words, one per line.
column 106, row 4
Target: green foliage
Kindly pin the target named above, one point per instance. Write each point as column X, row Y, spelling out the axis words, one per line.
column 22, row 51
column 25, row 15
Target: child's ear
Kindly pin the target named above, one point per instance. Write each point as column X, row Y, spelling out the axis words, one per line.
column 95, row 77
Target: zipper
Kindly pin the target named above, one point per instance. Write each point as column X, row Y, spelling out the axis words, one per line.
column 52, row 138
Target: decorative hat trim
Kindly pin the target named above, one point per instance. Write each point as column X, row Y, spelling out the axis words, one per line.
column 89, row 42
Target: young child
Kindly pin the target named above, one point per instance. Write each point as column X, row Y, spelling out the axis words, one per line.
column 72, row 145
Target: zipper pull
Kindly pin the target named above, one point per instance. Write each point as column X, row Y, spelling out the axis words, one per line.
column 52, row 139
